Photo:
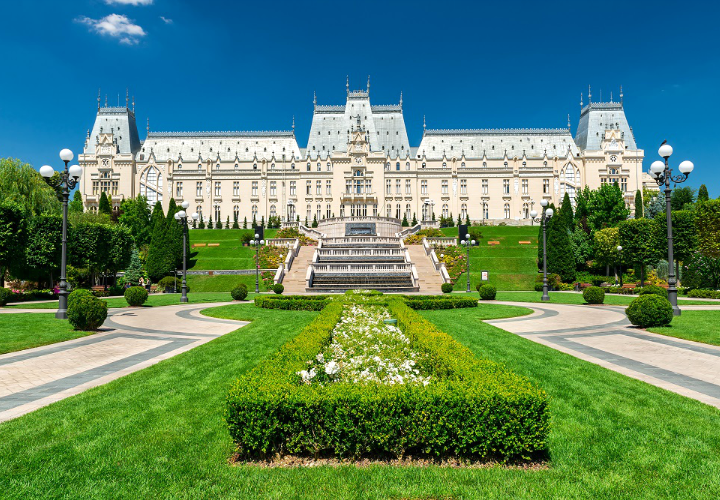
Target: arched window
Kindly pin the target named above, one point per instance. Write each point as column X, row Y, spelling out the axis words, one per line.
column 462, row 165
column 272, row 166
column 292, row 166
column 526, row 211
column 342, row 210
column 254, row 166
column 463, row 212
column 236, row 213
column 151, row 185
column 486, row 211
column 217, row 213
column 199, row 166
column 358, row 173
column 397, row 166
column 273, row 211
column 444, row 164
column 407, row 165
column 254, row 212
column 507, row 210
column 217, row 167
column 569, row 179
column 445, row 211
column 408, row 212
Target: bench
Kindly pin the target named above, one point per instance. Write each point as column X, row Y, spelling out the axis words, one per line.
column 493, row 242
column 525, row 242
column 629, row 286
column 195, row 245
column 97, row 288
column 213, row 244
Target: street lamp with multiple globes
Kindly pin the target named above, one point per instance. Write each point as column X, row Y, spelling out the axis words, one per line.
column 662, row 173
column 546, row 214
column 182, row 219
column 257, row 243
column 69, row 178
column 467, row 243
column 619, row 249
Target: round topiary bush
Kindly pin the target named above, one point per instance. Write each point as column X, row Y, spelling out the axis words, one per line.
column 136, row 296
column 649, row 310
column 446, row 287
column 487, row 292
column 86, row 312
column 5, row 296
column 278, row 288
column 594, row 295
column 654, row 290
column 240, row 292
column 78, row 293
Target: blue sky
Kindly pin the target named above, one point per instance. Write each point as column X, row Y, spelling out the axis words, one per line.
column 216, row 65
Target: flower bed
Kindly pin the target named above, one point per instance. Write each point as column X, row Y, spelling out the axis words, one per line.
column 470, row 407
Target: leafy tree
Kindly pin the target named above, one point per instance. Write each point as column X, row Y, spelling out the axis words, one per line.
column 23, row 185
column 638, row 205
column 13, row 236
column 560, row 253
column 104, row 204
column 136, row 215
column 606, row 207
column 606, row 243
column 76, row 204
column 682, row 196
column 582, row 245
column 638, row 238
column 703, row 194
column 44, row 247
column 707, row 222
column 405, row 221
column 700, row 271
column 134, row 270
column 566, row 213
column 685, row 238
column 582, row 199
column 88, row 246
column 119, row 248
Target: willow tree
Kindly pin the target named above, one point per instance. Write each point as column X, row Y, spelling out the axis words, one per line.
column 20, row 183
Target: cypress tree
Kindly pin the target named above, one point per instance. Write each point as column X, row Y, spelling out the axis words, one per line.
column 262, row 221
column 414, row 220
column 219, row 225
column 161, row 256
column 404, row 221
column 104, row 204
column 566, row 213
column 560, row 253
column 703, row 194
column 315, row 222
column 157, row 214
column 245, row 223
column 76, row 205
column 450, row 221
column 235, row 224
column 254, row 223
column 638, row 205
column 202, row 223
column 459, row 221
column 467, row 219
column 210, row 224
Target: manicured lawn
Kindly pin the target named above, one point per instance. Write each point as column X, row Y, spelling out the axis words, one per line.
column 577, row 298
column 159, row 432
column 700, row 326
column 221, row 282
column 229, row 254
column 154, row 300
column 23, row 331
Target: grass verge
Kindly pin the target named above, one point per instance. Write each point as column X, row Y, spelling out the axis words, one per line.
column 26, row 330
column 699, row 326
column 577, row 298
column 154, row 300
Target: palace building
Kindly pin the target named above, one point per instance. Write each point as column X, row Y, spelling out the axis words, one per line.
column 358, row 161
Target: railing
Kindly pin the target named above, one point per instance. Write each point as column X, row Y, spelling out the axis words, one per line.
column 362, row 218
column 279, row 274
column 429, row 224
column 309, row 275
column 408, row 231
column 362, row 268
column 310, row 232
column 280, row 242
column 442, row 242
column 354, row 240
column 287, row 224
column 359, row 252
column 439, row 266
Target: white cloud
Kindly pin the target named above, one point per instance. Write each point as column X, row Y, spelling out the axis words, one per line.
column 166, row 20
column 115, row 26
column 129, row 2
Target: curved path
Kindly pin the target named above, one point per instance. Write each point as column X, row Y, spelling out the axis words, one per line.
column 129, row 340
column 604, row 336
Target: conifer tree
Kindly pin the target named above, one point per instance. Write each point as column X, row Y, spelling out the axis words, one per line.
column 638, row 205
column 560, row 253
column 414, row 220
column 219, row 225
column 262, row 221
column 254, row 222
column 566, row 213
column 227, row 222
column 161, row 256
column 306, row 221
column 210, row 223
column 157, row 214
column 459, row 221
column 104, row 204
column 201, row 225
column 315, row 222
column 467, row 219
column 194, row 224
column 703, row 194
column 245, row 222
column 235, row 224
column 134, row 271
column 405, row 221
column 76, row 205
column 174, row 234
column 450, row 221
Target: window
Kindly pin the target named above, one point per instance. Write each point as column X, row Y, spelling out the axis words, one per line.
column 389, row 210
column 319, row 167
column 507, row 210
column 387, row 166
column 423, row 187
column 462, row 165
column 151, row 185
column 388, row 187
column 236, row 188
column 368, row 186
column 272, row 166
column 328, row 188
column 273, row 211
column 254, row 188
column 318, row 188
column 217, row 167
column 342, row 210
column 236, row 213
column 292, row 166
column 199, row 166
column 254, row 212
column 309, row 213
column 397, row 211
column 254, row 166
column 525, row 187
column 217, row 213
column 198, row 189
column 408, row 212
column 546, row 186
column 308, row 167
column 444, row 187
column 329, row 167
column 328, row 212
column 526, row 211
column 199, row 210
column 407, row 187
column 397, row 166
column 179, row 165
column 292, row 188
column 444, row 165
column 463, row 212
column 463, row 186
column 178, row 189
column 506, row 186
column 623, row 184
column 319, row 211
column 348, row 186
column 486, row 211
column 484, row 186
column 445, row 211
column 397, row 187
column 273, row 188
column 218, row 191
column 407, row 165
column 308, row 188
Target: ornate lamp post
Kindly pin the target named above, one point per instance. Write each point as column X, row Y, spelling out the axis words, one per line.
column 68, row 180
column 547, row 213
column 467, row 244
column 662, row 173
column 182, row 219
column 619, row 249
column 257, row 242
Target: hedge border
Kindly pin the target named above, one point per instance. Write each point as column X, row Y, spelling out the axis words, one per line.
column 318, row 302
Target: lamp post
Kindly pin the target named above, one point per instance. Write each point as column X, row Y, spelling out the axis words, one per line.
column 662, row 173
column 68, row 180
column 467, row 243
column 182, row 219
column 546, row 214
column 257, row 242
column 619, row 249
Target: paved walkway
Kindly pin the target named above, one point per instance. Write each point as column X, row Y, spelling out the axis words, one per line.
column 130, row 340
column 604, row 336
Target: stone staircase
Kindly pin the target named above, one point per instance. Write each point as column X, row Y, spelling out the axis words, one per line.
column 294, row 280
column 429, row 279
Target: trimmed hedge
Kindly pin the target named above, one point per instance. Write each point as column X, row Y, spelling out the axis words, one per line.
column 278, row 288
column 240, row 292
column 318, row 302
column 136, row 296
column 446, row 287
column 85, row 311
column 649, row 310
column 439, row 302
column 487, row 292
column 594, row 295
column 5, row 296
column 653, row 290
column 294, row 302
column 472, row 408
column 704, row 294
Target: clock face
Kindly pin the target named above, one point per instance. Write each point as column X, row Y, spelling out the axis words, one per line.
column 613, row 158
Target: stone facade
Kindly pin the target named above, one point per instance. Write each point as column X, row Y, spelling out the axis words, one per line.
column 358, row 162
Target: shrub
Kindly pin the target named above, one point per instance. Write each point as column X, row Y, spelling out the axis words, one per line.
column 594, row 295
column 649, row 310
column 473, row 407
column 294, row 302
column 487, row 292
column 240, row 292
column 432, row 302
column 653, row 290
column 136, row 296
column 169, row 282
column 77, row 293
column 116, row 290
column 278, row 288
column 704, row 294
column 554, row 281
column 85, row 311
column 5, row 296
column 446, row 287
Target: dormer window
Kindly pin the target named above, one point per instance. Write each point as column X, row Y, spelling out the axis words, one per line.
column 397, row 166
column 217, row 167
column 444, row 165
column 462, row 165
column 292, row 166
column 179, row 166
column 423, row 165
column 484, row 164
column 254, row 166
column 199, row 166
column 308, row 167
column 319, row 167
column 236, row 166
column 272, row 166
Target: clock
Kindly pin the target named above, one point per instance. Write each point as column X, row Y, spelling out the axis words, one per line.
column 613, row 158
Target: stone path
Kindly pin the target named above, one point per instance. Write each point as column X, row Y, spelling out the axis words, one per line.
column 130, row 340
column 604, row 336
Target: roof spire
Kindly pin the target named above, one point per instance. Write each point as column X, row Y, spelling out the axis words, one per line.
column 581, row 101
column 133, row 103
column 611, row 97
column 368, row 85
column 589, row 95
column 127, row 97
column 568, row 121
column 148, row 126
column 293, row 125
column 98, row 99
column 106, row 100
column 347, row 84
column 621, row 95
column 424, row 125
column 401, row 99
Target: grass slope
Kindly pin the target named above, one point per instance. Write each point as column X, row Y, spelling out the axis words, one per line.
column 159, row 432
column 700, row 326
column 26, row 330
column 230, row 254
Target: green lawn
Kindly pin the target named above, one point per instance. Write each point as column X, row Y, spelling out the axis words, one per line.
column 700, row 326
column 221, row 283
column 26, row 330
column 229, row 254
column 154, row 300
column 159, row 432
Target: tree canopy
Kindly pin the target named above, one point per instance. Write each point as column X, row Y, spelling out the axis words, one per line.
column 682, row 196
column 703, row 194
column 638, row 238
column 20, row 183
column 707, row 222
column 606, row 207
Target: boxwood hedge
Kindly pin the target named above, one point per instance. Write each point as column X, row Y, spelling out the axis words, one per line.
column 318, row 302
column 473, row 408
column 293, row 302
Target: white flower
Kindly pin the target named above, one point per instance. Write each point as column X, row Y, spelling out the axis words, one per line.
column 332, row 368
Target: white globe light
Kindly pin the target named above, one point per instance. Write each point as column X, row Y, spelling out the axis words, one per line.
column 66, row 155
column 544, row 203
column 47, row 171
column 657, row 167
column 467, row 236
column 665, row 150
column 473, row 242
column 619, row 248
column 686, row 167
column 181, row 214
column 185, row 204
column 549, row 212
column 177, row 215
column 75, row 171
column 533, row 213
column 262, row 242
column 257, row 236
column 654, row 176
column 195, row 216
